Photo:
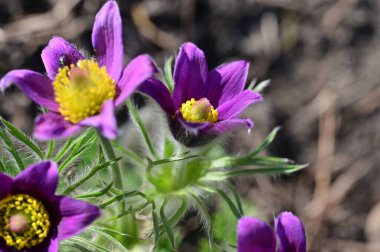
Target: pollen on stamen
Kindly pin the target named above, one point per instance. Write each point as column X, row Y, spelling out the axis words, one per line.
column 81, row 89
column 24, row 221
column 199, row 111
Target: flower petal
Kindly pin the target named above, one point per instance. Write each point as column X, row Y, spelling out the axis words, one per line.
column 226, row 81
column 228, row 125
column 39, row 180
column 233, row 107
column 105, row 122
column 160, row 93
column 3, row 247
column 76, row 215
column 107, row 39
column 291, row 233
column 134, row 74
column 54, row 126
column 190, row 75
column 59, row 51
column 34, row 85
column 6, row 185
column 255, row 235
column 49, row 245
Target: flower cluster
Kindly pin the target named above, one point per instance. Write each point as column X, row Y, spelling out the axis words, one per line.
column 81, row 92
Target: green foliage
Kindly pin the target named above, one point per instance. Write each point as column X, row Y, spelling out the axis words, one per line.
column 143, row 196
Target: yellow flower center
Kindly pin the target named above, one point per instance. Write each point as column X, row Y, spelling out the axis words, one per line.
column 24, row 221
column 199, row 111
column 81, row 89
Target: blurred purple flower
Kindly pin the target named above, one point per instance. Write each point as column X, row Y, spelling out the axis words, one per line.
column 255, row 235
column 32, row 217
column 204, row 103
column 81, row 92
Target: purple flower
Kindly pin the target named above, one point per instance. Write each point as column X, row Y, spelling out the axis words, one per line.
column 204, row 103
column 255, row 235
column 32, row 217
column 81, row 92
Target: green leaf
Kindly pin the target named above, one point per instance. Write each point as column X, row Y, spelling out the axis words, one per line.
column 261, row 86
column 71, row 244
column 235, row 210
column 156, row 225
column 11, row 148
column 179, row 213
column 132, row 156
column 78, row 149
column 118, row 198
column 124, row 213
column 93, row 171
column 86, row 243
column 110, row 231
column 180, row 157
column 137, row 119
column 268, row 140
column 105, row 232
column 74, row 144
column 99, row 193
column 22, row 138
column 2, row 167
column 236, row 196
column 267, row 170
column 168, row 75
column 166, row 223
column 50, row 149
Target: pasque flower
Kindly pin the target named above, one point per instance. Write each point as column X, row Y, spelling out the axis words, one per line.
column 255, row 235
column 79, row 91
column 32, row 217
column 204, row 103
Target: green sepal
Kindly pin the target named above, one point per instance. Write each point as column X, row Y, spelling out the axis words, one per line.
column 168, row 75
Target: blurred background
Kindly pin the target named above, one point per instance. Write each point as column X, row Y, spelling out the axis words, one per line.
column 323, row 59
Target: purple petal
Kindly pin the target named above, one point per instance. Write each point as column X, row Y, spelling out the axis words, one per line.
column 49, row 245
column 34, row 85
column 255, row 235
column 76, row 215
column 190, row 75
column 54, row 126
column 105, row 122
column 226, row 81
column 3, row 247
column 57, row 51
column 160, row 93
column 6, row 185
column 291, row 233
column 107, row 39
column 193, row 128
column 39, row 180
column 135, row 73
column 228, row 125
column 233, row 107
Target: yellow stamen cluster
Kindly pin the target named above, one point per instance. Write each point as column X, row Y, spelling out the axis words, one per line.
column 81, row 89
column 199, row 111
column 38, row 222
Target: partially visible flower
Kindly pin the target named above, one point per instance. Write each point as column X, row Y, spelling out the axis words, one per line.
column 204, row 103
column 82, row 92
column 32, row 217
column 255, row 235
